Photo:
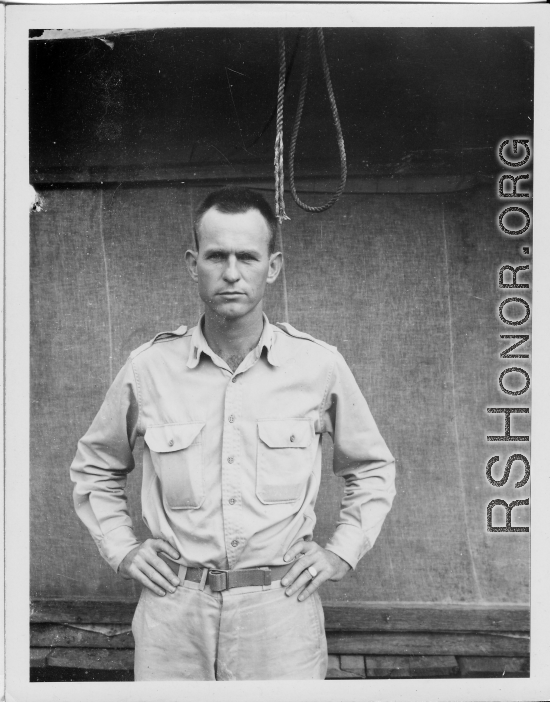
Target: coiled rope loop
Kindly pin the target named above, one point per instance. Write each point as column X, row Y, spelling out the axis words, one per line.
column 334, row 109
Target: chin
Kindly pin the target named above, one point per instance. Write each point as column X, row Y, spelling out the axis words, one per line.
column 231, row 310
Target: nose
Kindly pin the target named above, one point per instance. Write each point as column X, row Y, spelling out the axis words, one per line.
column 231, row 272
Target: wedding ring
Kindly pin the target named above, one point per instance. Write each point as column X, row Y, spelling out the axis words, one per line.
column 311, row 570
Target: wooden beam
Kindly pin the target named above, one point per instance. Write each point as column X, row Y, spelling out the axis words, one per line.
column 433, row 666
column 336, row 672
column 340, row 667
column 92, row 658
column 411, row 666
column 353, row 664
column 425, row 644
column 368, row 616
column 82, row 611
column 375, row 181
column 387, row 666
column 192, row 172
column 339, row 643
column 69, row 637
column 354, row 643
column 478, row 667
column 385, row 616
column 39, row 657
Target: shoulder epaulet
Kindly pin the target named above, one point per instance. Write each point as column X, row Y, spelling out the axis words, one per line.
column 161, row 336
column 291, row 331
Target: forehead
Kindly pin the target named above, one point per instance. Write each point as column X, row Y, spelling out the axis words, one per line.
column 230, row 230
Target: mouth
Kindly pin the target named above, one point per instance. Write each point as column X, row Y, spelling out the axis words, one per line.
column 230, row 294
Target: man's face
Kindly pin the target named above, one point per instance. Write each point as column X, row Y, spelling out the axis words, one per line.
column 233, row 263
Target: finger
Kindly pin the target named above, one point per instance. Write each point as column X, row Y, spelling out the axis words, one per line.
column 155, row 576
column 159, row 565
column 146, row 582
column 298, row 568
column 311, row 587
column 301, row 581
column 300, row 547
column 149, row 556
column 165, row 547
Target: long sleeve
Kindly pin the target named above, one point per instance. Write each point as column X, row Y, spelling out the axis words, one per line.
column 99, row 470
column 362, row 458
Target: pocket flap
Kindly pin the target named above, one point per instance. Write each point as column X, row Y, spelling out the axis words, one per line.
column 172, row 437
column 286, row 433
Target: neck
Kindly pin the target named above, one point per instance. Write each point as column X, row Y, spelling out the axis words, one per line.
column 233, row 337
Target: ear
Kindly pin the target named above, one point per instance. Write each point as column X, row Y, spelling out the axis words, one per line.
column 275, row 265
column 191, row 262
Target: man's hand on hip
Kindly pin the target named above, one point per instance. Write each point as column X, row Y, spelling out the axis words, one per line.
column 143, row 564
column 314, row 565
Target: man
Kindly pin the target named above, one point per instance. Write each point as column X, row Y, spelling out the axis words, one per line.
column 232, row 413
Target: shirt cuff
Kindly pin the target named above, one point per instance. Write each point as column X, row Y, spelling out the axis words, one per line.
column 117, row 544
column 350, row 543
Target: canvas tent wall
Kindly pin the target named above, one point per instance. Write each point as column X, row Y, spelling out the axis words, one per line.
column 402, row 273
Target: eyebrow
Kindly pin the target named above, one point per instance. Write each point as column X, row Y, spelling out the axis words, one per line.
column 224, row 252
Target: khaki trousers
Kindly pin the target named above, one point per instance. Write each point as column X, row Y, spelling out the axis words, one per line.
column 246, row 633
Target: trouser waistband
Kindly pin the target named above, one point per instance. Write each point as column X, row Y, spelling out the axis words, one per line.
column 219, row 580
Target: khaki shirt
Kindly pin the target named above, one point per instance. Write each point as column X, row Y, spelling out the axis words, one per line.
column 232, row 460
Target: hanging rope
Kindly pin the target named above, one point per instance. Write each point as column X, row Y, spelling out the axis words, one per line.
column 279, row 163
column 279, row 172
column 272, row 117
column 340, row 138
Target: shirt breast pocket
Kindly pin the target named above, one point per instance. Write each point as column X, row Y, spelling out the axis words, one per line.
column 284, row 460
column 176, row 452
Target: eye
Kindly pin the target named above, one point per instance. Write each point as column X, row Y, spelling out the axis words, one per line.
column 247, row 257
column 215, row 256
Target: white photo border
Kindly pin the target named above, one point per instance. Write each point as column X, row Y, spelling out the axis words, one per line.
column 21, row 18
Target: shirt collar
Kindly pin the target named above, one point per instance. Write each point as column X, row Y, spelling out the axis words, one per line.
column 200, row 345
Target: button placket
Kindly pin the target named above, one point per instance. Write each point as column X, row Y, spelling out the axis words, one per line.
column 231, row 473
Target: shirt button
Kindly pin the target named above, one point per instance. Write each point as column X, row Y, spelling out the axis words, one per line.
column 234, row 544
column 171, row 442
column 232, row 501
column 292, row 438
column 231, row 418
column 234, row 379
column 230, row 459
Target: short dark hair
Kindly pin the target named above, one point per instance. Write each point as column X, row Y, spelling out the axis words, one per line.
column 236, row 199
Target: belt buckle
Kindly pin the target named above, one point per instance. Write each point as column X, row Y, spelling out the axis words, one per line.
column 267, row 575
column 234, row 577
column 217, row 579
column 222, row 579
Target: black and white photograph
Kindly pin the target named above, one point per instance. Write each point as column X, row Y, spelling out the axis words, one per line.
column 270, row 290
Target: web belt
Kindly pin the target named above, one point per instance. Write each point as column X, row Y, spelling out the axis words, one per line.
column 219, row 580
